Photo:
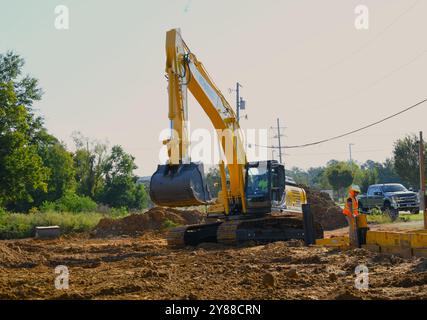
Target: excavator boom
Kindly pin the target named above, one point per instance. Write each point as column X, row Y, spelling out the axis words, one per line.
column 181, row 182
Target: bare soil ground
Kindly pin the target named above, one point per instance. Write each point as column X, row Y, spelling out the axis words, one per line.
column 143, row 267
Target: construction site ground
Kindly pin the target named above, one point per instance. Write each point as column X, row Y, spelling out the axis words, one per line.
column 143, row 267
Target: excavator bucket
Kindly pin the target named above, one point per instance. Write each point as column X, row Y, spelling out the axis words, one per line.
column 179, row 185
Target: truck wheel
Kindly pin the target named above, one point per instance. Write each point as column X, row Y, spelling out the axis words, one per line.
column 391, row 212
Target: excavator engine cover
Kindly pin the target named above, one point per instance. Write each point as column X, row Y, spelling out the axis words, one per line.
column 180, row 185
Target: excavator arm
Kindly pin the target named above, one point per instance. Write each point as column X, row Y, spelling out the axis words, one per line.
column 181, row 182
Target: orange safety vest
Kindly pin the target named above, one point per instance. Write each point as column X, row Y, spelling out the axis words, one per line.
column 355, row 205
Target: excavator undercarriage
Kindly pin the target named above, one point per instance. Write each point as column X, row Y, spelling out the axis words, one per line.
column 268, row 228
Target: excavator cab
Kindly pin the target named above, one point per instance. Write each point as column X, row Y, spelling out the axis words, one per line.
column 265, row 185
column 179, row 185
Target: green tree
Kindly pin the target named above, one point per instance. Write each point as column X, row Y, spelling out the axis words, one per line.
column 406, row 160
column 120, row 189
column 22, row 171
column 142, row 200
column 339, row 175
column 27, row 92
column 89, row 161
column 365, row 177
column 26, row 88
column 300, row 176
column 317, row 178
column 21, row 168
column 385, row 171
column 62, row 174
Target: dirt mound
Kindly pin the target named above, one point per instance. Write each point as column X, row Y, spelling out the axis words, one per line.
column 12, row 256
column 155, row 219
column 324, row 210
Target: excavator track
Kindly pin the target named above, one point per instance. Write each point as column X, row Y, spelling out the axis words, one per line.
column 227, row 232
column 231, row 232
column 175, row 237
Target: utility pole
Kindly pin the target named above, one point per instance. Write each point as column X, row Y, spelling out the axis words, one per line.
column 422, row 180
column 349, row 147
column 238, row 85
column 278, row 137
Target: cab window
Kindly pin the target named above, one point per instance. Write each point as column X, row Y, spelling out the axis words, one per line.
column 372, row 190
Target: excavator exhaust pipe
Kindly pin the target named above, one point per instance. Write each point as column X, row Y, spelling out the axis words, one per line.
column 180, row 185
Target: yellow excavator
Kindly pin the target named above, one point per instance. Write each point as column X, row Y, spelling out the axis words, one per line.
column 254, row 202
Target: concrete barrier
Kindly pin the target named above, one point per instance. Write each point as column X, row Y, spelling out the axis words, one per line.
column 49, row 232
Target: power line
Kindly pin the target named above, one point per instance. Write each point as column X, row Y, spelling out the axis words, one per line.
column 351, row 132
column 364, row 45
column 336, row 153
column 379, row 80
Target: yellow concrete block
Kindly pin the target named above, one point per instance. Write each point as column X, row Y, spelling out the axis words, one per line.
column 334, row 242
column 420, row 252
column 371, row 247
column 418, row 240
column 388, row 238
column 397, row 250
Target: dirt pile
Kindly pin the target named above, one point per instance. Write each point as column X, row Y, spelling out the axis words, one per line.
column 155, row 219
column 324, row 209
column 12, row 255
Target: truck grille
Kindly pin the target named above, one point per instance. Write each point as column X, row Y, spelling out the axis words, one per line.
column 407, row 201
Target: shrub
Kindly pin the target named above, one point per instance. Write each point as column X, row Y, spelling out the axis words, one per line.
column 18, row 225
column 70, row 202
column 118, row 212
column 167, row 224
column 376, row 212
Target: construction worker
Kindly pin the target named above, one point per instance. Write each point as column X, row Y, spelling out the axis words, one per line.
column 351, row 211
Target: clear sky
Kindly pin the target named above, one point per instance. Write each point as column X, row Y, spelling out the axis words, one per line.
column 303, row 61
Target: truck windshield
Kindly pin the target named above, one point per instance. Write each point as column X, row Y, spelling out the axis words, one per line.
column 394, row 188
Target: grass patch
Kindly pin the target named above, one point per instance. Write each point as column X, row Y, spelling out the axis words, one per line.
column 19, row 225
column 379, row 218
column 411, row 217
column 168, row 224
column 376, row 216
